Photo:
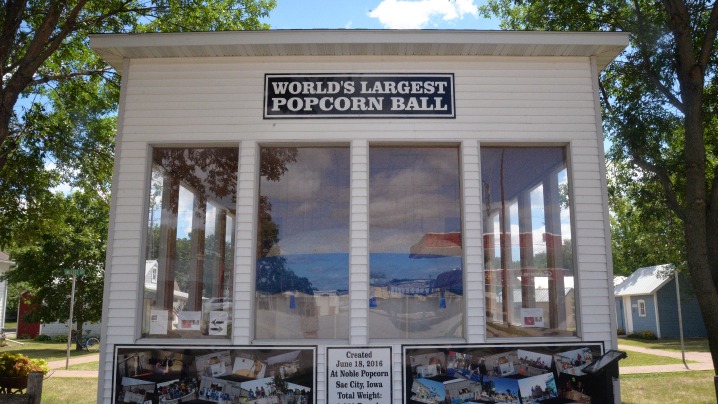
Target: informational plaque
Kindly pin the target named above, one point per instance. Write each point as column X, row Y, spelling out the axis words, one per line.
column 359, row 375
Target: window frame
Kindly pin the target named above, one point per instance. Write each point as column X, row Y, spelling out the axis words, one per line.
column 146, row 196
column 569, row 168
column 256, row 175
column 458, row 147
column 641, row 307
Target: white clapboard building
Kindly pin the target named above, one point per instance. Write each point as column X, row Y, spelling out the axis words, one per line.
column 354, row 188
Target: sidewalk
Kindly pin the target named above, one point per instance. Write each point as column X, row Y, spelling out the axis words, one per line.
column 57, row 368
column 703, row 361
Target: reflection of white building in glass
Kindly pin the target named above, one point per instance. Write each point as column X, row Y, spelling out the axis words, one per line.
column 361, row 188
column 5, row 265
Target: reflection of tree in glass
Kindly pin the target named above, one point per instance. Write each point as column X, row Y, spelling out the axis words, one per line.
column 541, row 260
column 274, row 277
column 272, row 274
column 273, row 162
column 211, row 172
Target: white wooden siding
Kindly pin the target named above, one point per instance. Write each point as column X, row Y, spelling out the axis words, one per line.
column 499, row 100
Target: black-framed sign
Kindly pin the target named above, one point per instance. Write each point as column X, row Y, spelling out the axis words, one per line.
column 174, row 374
column 359, row 375
column 370, row 95
column 502, row 373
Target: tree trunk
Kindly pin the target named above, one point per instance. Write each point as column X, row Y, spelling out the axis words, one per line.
column 696, row 214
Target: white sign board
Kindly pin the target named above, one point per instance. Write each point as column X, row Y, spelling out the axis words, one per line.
column 359, row 375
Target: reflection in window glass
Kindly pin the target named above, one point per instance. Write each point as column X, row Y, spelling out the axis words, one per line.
column 190, row 243
column 528, row 256
column 415, row 243
column 302, row 273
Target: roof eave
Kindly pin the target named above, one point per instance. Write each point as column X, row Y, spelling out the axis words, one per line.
column 605, row 46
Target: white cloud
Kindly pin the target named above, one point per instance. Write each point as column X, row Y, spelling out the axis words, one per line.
column 407, row 14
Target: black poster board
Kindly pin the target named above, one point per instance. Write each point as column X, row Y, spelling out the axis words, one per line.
column 499, row 373
column 201, row 374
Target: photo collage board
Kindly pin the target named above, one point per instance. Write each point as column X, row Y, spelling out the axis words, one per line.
column 192, row 374
column 511, row 374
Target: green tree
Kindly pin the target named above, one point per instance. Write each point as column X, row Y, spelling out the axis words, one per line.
column 659, row 101
column 72, row 235
column 58, row 103
column 644, row 232
column 58, row 99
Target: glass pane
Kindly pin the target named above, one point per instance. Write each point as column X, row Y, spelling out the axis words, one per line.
column 302, row 274
column 190, row 243
column 528, row 257
column 415, row 254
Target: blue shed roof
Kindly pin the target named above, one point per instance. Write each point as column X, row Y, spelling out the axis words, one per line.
column 645, row 281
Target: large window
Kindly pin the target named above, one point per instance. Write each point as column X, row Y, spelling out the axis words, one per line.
column 190, row 243
column 302, row 269
column 415, row 249
column 528, row 254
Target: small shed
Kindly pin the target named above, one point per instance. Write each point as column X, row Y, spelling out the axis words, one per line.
column 647, row 301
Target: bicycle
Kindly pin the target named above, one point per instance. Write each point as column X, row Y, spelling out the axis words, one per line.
column 88, row 343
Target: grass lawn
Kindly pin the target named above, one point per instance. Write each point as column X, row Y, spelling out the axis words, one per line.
column 666, row 388
column 642, row 359
column 86, row 366
column 56, row 390
column 691, row 344
column 50, row 351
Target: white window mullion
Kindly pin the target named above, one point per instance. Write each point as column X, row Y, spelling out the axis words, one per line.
column 245, row 234
column 359, row 249
column 473, row 244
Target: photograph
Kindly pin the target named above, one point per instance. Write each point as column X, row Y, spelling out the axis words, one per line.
column 502, row 365
column 428, row 391
column 135, row 390
column 572, row 362
column 188, row 374
column 214, row 364
column 500, row 390
column 540, row 363
column 190, row 320
column 538, row 389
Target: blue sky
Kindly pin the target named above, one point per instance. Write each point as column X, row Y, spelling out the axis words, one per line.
column 379, row 14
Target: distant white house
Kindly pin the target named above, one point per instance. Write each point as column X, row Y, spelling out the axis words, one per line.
column 5, row 265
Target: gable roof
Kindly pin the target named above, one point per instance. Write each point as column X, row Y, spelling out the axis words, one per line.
column 645, row 281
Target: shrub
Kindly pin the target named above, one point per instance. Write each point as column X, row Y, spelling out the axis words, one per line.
column 43, row 338
column 647, row 335
column 24, row 336
column 19, row 365
column 620, row 331
column 59, row 338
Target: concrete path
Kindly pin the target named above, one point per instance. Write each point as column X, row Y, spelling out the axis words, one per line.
column 703, row 361
column 57, row 368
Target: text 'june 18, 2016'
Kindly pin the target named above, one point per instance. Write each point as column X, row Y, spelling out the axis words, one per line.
column 358, row 375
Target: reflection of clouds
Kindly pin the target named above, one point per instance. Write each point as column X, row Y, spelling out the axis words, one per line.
column 185, row 215
column 324, row 241
column 413, row 191
column 389, row 240
column 312, row 194
column 185, row 212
